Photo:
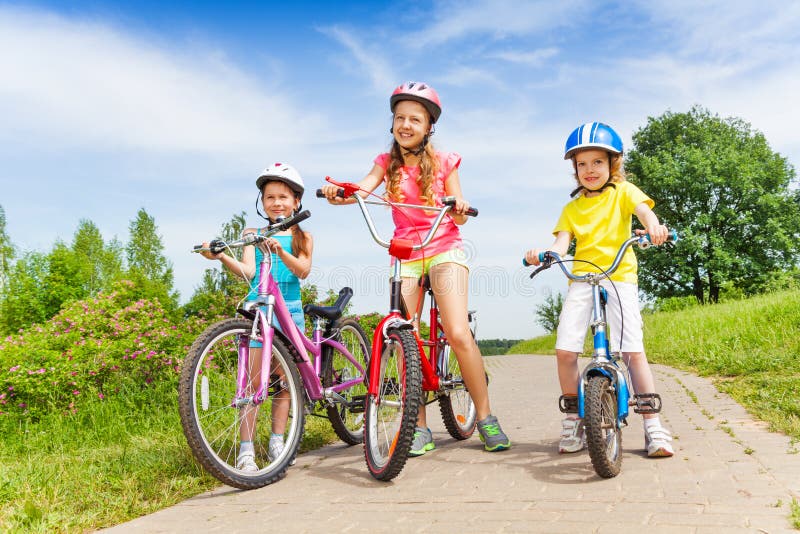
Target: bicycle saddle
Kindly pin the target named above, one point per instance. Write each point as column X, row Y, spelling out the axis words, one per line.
column 330, row 313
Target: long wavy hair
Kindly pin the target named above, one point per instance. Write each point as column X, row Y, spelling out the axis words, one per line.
column 428, row 167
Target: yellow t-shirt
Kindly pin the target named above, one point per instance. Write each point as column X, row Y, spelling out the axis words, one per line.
column 600, row 225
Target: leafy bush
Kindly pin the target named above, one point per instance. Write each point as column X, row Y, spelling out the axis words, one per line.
column 92, row 349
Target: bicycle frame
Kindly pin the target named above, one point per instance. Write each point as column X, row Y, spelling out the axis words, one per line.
column 269, row 307
column 604, row 361
column 397, row 318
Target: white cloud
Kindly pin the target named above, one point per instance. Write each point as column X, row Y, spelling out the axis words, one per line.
column 532, row 58
column 497, row 18
column 76, row 83
column 369, row 58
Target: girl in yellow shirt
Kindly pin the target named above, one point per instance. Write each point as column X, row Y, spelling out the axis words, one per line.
column 599, row 220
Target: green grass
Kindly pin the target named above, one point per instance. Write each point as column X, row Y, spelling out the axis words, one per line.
column 749, row 348
column 109, row 463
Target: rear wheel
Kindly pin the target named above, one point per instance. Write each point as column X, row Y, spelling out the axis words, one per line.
column 347, row 419
column 603, row 437
column 391, row 415
column 455, row 402
column 215, row 424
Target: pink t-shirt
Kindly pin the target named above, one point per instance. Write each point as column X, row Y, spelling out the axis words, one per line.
column 414, row 224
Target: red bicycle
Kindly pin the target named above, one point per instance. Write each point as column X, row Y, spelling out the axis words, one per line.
column 401, row 373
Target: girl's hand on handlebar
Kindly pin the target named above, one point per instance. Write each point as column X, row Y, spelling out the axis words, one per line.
column 658, row 234
column 331, row 193
column 208, row 254
column 532, row 256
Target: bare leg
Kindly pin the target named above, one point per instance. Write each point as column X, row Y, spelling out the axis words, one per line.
column 568, row 373
column 641, row 375
column 449, row 282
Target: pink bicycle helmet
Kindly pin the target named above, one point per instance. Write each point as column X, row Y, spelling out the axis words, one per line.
column 419, row 92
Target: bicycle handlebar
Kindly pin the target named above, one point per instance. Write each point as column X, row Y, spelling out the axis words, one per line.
column 447, row 201
column 349, row 190
column 547, row 258
column 218, row 245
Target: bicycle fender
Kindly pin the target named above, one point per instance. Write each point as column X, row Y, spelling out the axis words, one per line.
column 378, row 342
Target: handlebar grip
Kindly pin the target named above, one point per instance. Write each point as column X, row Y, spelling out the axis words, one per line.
column 339, row 193
column 525, row 263
column 451, row 201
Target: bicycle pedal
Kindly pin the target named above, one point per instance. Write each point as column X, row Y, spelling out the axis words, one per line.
column 646, row 403
column 568, row 403
column 357, row 403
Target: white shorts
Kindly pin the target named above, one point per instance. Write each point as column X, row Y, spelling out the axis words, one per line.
column 576, row 314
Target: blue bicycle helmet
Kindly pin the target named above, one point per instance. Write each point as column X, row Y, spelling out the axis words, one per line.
column 593, row 135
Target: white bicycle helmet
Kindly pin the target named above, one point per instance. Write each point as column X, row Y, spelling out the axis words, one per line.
column 285, row 173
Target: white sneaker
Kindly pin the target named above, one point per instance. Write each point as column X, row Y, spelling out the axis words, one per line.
column 657, row 441
column 246, row 462
column 573, row 437
column 275, row 448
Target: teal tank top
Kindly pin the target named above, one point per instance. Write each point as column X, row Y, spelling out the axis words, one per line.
column 286, row 279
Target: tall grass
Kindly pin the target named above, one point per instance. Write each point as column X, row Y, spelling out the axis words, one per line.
column 108, row 463
column 750, row 348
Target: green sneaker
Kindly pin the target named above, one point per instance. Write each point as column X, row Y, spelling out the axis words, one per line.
column 423, row 442
column 492, row 436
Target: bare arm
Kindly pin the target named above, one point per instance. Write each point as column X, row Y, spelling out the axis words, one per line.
column 452, row 187
column 658, row 232
column 246, row 268
column 559, row 246
column 300, row 265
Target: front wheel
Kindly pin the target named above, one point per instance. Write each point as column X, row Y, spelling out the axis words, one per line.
column 391, row 415
column 216, row 423
column 603, row 437
column 347, row 419
column 458, row 411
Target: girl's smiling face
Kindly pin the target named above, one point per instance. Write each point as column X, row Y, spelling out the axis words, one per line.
column 279, row 200
column 593, row 167
column 411, row 123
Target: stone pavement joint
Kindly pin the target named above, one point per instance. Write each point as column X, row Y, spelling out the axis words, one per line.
column 728, row 474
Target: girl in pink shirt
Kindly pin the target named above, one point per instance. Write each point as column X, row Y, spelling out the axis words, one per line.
column 414, row 173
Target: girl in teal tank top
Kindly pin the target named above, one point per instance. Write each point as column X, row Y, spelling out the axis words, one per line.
column 281, row 189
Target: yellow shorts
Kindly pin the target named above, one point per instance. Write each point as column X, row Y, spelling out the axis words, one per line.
column 416, row 268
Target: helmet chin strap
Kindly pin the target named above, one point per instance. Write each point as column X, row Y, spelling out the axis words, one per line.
column 603, row 188
column 268, row 218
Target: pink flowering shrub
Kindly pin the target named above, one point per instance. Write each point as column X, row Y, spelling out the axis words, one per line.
column 92, row 350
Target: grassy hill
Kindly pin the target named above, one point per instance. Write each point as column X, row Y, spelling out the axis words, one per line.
column 749, row 348
column 90, row 435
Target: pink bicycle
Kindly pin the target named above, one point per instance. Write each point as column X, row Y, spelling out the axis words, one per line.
column 257, row 376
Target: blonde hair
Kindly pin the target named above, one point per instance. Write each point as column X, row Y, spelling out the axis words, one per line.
column 428, row 167
column 616, row 172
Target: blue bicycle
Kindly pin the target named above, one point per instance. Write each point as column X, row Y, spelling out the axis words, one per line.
column 603, row 394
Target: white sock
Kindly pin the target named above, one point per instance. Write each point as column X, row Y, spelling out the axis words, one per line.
column 245, row 447
column 652, row 422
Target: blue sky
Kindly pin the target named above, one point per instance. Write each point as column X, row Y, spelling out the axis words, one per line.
column 109, row 107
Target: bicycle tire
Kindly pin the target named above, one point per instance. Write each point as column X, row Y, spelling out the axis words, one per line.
column 391, row 415
column 347, row 420
column 211, row 424
column 455, row 404
column 603, row 438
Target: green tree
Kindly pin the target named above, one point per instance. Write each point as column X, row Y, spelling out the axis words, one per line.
column 6, row 251
column 147, row 266
column 732, row 200
column 99, row 265
column 23, row 302
column 548, row 312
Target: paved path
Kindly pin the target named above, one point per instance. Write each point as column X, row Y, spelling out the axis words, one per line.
column 729, row 474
